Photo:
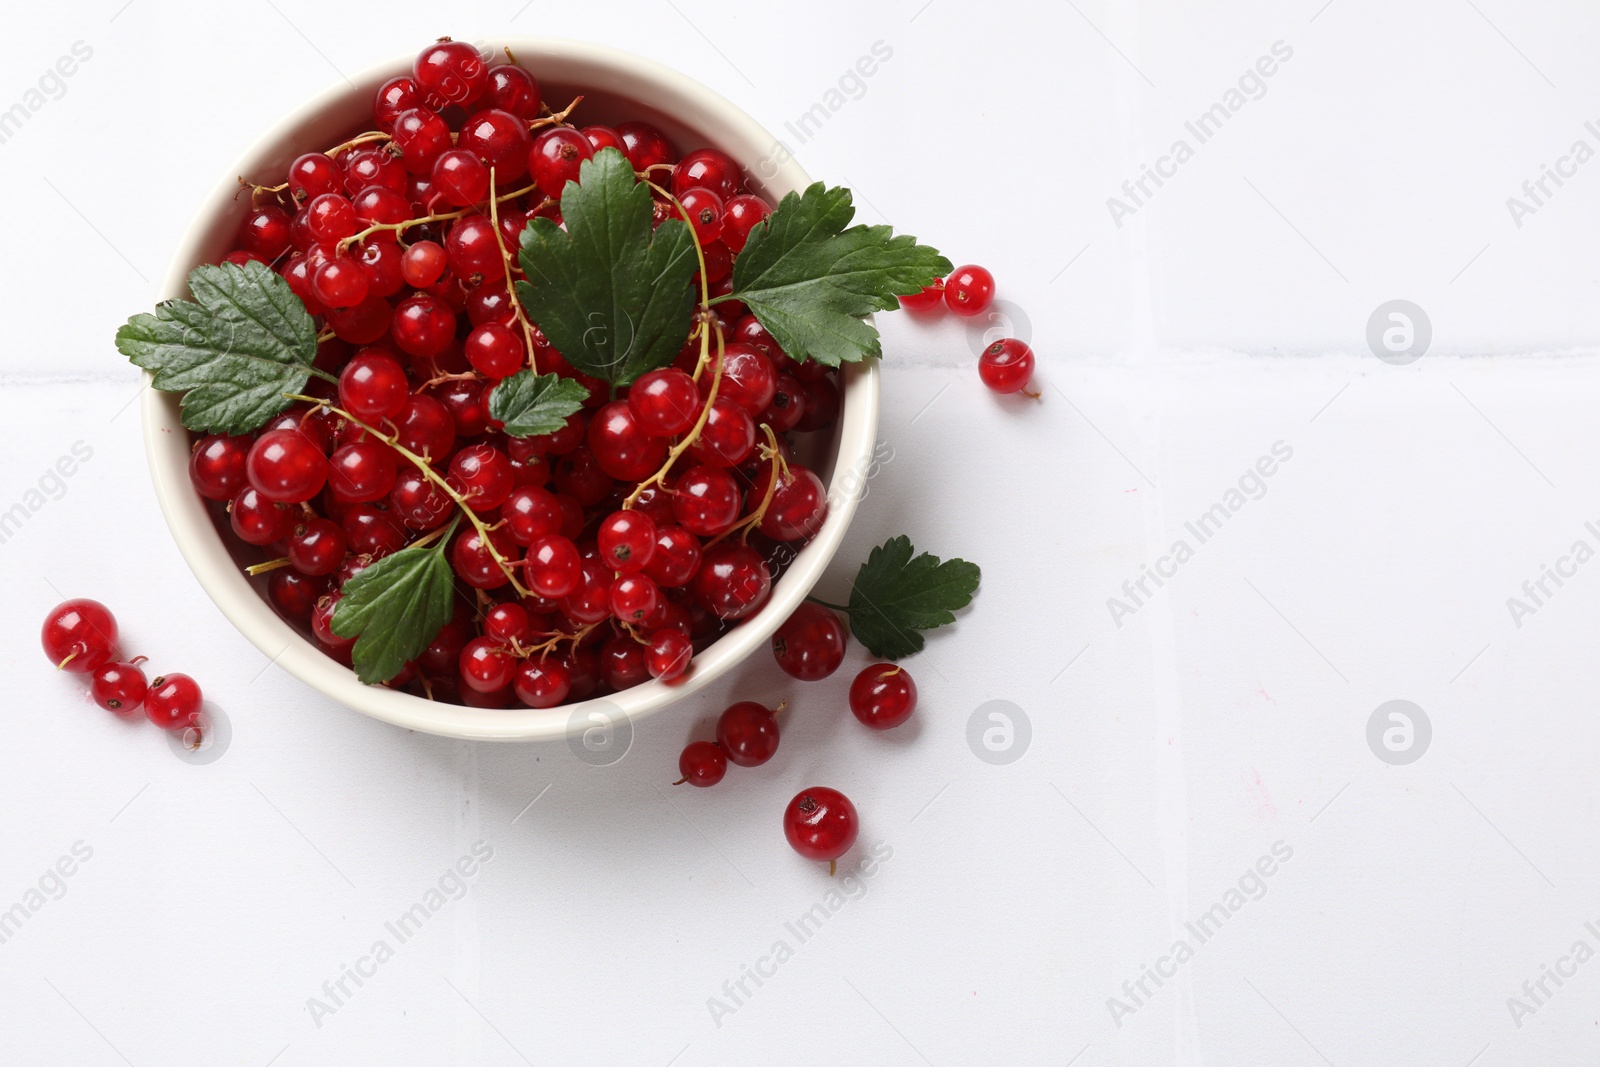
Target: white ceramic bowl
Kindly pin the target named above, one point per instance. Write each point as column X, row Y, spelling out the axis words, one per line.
column 616, row 85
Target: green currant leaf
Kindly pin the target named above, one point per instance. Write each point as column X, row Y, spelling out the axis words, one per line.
column 395, row 607
column 896, row 596
column 532, row 404
column 612, row 296
column 811, row 282
column 234, row 351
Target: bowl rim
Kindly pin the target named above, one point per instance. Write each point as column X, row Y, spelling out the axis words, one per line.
column 167, row 441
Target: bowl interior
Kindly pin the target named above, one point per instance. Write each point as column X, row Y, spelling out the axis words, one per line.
column 615, row 86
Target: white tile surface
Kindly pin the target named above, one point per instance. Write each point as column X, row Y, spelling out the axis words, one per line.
column 1168, row 754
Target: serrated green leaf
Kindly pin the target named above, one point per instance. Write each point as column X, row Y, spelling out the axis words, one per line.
column 612, row 296
column 532, row 404
column 897, row 595
column 234, row 351
column 810, row 281
column 395, row 607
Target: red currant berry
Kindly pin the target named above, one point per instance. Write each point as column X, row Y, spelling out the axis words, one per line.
column 511, row 88
column 798, row 507
column 669, row 654
column 810, row 644
column 705, row 500
column 339, row 283
column 748, row 378
column 664, row 402
column 216, row 466
column 423, row 325
column 710, row 169
column 501, row 140
column 633, row 598
column 265, row 231
column 313, row 174
column 377, row 182
column 622, row 663
column 644, row 145
column 702, row 764
column 604, row 137
column 486, row 666
column 426, row 428
column 579, row 475
column 821, row 824
column 727, row 437
column 622, row 446
column 740, row 215
column 452, row 70
column 748, row 733
column 627, row 540
column 330, row 218
column 119, row 687
column 733, row 581
column 474, row 249
column 495, row 351
column 421, row 136
column 373, row 386
column 788, row 405
column 423, row 264
column 704, row 210
column 542, row 683
column 173, row 701
column 883, row 696
column 322, row 629
column 362, row 472
column 482, row 474
column 969, row 291
column 531, row 513
column 79, row 635
column 460, row 178
column 589, row 602
column 286, row 466
column 509, row 624
column 362, row 324
column 317, row 547
column 475, row 562
column 925, row 299
column 1006, row 366
column 380, row 262
column 373, row 531
column 676, row 557
column 395, row 96
column 821, row 407
column 258, row 521
column 552, row 567
column 418, row 502
column 294, row 594
column 556, row 157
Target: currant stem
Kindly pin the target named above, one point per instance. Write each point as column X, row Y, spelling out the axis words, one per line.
column 443, row 216
column 780, row 468
column 511, row 288
column 824, row 603
column 370, row 137
column 393, row 441
column 270, row 565
column 63, row 664
column 694, row 432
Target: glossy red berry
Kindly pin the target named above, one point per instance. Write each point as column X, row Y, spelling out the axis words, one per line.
column 553, row 567
column 294, row 594
column 313, row 174
column 453, row 70
column 676, row 557
column 317, row 547
column 460, row 178
column 475, row 563
column 810, row 644
column 704, row 210
column 511, row 88
column 669, row 654
column 255, row 520
column 530, row 513
column 362, row 472
column 740, row 215
column 173, row 701
column 622, row 663
column 286, row 466
column 633, row 598
column 423, row 264
column 705, row 500
column 703, row 764
column 622, row 446
column 373, row 386
column 119, row 687
column 589, row 602
column 727, row 437
column 421, row 137
column 748, row 733
column 339, row 282
column 330, row 218
column 482, row 474
column 821, row 823
column 265, row 231
column 799, row 503
column 555, row 158
column 501, row 140
column 418, row 502
column 395, row 96
column 626, row 540
column 542, row 683
column 217, row 465
column 709, row 169
column 645, row 146
column 79, row 635
column 1006, row 366
column 748, row 378
column 969, row 290
column 883, row 696
column 925, row 299
column 486, row 666
column 474, row 249
column 495, row 351
column 733, row 581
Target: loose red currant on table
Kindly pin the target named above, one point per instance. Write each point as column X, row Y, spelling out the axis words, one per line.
column 883, row 696
column 79, row 635
column 969, row 290
column 702, row 764
column 119, row 687
column 810, row 644
column 821, row 824
column 925, row 299
column 173, row 701
column 1007, row 366
column 748, row 733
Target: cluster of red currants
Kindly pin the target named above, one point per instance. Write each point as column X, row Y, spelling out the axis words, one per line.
column 633, row 535
column 80, row 635
column 1006, row 366
column 820, row 823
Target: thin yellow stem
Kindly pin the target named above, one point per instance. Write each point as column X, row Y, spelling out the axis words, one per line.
column 443, row 216
column 270, row 565
column 511, row 289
